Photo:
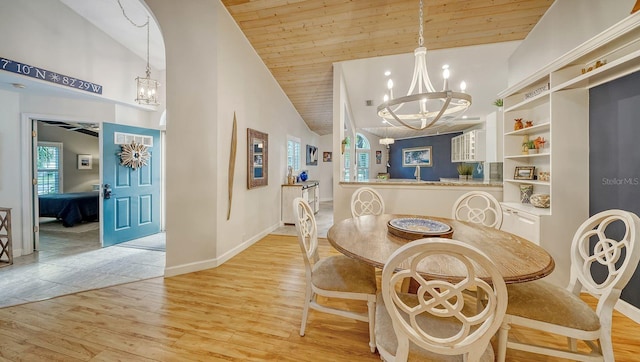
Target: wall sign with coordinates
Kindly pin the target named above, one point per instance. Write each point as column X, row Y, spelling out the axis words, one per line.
column 48, row 76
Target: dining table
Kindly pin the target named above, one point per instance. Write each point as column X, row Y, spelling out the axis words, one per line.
column 373, row 238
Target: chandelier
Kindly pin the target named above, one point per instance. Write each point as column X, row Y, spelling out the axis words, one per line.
column 387, row 141
column 423, row 106
column 146, row 87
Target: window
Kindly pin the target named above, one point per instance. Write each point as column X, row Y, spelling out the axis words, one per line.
column 49, row 168
column 363, row 152
column 293, row 153
column 362, row 157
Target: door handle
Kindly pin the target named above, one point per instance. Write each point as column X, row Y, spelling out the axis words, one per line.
column 107, row 193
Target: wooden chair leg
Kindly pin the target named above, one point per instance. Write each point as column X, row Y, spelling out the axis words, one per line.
column 371, row 305
column 503, row 337
column 308, row 296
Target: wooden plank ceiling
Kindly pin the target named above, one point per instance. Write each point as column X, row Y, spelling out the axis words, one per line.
column 299, row 40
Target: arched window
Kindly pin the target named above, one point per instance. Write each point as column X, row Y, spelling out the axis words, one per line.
column 363, row 157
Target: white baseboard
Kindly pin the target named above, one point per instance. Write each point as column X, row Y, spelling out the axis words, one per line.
column 213, row 263
column 628, row 310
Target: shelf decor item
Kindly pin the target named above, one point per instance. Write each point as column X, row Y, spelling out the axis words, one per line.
column 525, row 193
column 539, row 142
column 524, row 173
column 529, row 147
column 518, row 124
column 528, row 124
column 544, row 176
column 540, row 200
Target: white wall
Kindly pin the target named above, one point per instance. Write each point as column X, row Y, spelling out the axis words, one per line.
column 10, row 190
column 325, row 169
column 205, row 49
column 567, row 24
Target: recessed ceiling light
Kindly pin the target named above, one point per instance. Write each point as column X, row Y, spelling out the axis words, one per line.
column 18, row 85
column 464, row 117
column 387, row 73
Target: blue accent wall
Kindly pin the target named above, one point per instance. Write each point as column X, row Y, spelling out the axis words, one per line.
column 614, row 158
column 440, row 153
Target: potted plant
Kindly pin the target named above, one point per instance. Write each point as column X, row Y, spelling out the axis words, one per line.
column 529, row 147
column 498, row 103
column 465, row 171
column 345, row 143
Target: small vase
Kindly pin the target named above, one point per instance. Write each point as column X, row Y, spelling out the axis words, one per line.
column 533, row 151
column 525, row 193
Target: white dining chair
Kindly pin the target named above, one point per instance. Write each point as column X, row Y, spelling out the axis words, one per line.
column 438, row 322
column 366, row 201
column 336, row 276
column 478, row 207
column 606, row 242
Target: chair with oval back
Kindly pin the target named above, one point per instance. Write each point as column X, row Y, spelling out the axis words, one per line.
column 366, row 201
column 336, row 276
column 440, row 321
column 605, row 242
column 478, row 207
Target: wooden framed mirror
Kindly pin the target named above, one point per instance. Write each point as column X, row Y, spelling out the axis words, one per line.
column 257, row 158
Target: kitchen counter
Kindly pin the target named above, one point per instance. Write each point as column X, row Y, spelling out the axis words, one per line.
column 442, row 182
column 408, row 196
column 304, row 184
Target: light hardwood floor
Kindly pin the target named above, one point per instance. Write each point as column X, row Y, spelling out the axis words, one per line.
column 248, row 309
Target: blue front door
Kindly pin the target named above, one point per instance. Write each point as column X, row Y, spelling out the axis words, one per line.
column 132, row 210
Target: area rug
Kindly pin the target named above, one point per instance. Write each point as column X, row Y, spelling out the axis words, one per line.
column 56, row 225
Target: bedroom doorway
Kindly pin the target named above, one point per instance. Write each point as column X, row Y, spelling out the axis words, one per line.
column 66, row 195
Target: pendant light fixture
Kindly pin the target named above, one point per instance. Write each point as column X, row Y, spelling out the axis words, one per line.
column 423, row 106
column 146, row 87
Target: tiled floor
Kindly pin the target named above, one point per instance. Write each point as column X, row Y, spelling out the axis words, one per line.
column 71, row 262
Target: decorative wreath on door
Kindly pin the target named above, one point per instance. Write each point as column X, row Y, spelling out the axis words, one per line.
column 134, row 155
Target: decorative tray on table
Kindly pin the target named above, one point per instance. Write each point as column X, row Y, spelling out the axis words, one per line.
column 414, row 228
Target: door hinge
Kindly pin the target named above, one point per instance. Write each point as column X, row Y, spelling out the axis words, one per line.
column 36, row 229
column 33, row 134
column 34, row 181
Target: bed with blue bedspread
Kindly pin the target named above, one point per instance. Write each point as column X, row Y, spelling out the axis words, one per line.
column 71, row 208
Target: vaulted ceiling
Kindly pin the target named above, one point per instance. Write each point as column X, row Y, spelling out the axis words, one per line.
column 299, row 40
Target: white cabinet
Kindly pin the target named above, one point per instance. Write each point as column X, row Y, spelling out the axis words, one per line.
column 556, row 100
column 468, row 147
column 524, row 224
column 309, row 191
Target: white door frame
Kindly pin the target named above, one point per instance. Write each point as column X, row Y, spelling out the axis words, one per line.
column 27, row 161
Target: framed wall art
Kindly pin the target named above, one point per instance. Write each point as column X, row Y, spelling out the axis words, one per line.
column 417, row 156
column 257, row 158
column 85, row 162
column 312, row 155
column 326, row 156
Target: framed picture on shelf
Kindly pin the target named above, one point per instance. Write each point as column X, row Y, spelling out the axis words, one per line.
column 524, row 173
column 84, row 162
column 416, row 156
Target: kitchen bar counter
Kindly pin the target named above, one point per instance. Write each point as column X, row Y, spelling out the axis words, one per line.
column 442, row 182
column 408, row 196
